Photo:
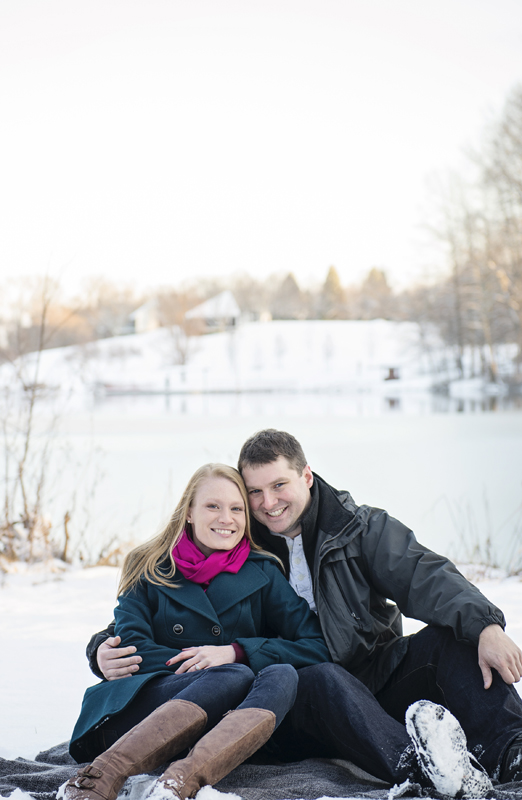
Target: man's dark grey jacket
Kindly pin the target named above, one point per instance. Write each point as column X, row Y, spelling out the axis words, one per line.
column 360, row 559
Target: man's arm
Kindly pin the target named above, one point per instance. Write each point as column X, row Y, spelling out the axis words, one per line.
column 429, row 587
column 109, row 661
column 497, row 651
column 425, row 585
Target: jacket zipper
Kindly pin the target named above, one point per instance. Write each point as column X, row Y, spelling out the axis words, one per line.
column 352, row 613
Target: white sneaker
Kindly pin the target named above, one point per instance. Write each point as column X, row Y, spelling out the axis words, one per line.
column 441, row 749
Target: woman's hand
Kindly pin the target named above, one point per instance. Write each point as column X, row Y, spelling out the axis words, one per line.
column 196, row 658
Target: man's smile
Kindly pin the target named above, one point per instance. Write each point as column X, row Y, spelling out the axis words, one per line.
column 277, row 512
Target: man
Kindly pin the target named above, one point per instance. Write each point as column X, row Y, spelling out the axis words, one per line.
column 349, row 562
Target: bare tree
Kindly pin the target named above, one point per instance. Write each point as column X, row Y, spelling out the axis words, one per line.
column 501, row 164
column 25, row 530
column 106, row 307
column 172, row 307
column 34, row 521
column 480, row 223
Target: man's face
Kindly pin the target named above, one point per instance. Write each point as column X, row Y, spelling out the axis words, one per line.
column 278, row 495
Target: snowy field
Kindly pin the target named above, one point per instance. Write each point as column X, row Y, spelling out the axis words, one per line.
column 47, row 619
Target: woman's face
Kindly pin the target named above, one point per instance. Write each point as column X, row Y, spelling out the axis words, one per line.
column 218, row 515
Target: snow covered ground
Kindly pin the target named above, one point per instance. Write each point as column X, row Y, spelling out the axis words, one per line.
column 290, row 356
column 393, row 360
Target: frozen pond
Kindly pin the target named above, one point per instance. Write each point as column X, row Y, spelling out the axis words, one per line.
column 391, row 400
column 455, row 478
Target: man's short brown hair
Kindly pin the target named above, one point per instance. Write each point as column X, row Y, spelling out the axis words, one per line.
column 267, row 446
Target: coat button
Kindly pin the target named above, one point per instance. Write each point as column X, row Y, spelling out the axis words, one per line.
column 178, row 628
column 216, row 630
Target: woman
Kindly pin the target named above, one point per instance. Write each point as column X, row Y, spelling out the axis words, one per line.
column 220, row 633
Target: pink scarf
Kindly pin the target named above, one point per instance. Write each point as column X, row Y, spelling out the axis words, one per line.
column 201, row 569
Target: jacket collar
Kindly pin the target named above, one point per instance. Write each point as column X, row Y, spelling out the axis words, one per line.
column 225, row 590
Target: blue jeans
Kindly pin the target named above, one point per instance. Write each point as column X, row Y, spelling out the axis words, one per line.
column 216, row 690
column 336, row 715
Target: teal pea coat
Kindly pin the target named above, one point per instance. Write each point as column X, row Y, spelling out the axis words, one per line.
column 257, row 608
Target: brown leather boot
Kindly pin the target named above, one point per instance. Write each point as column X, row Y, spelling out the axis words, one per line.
column 239, row 734
column 158, row 738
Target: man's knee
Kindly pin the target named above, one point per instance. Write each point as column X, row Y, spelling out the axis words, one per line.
column 326, row 678
column 435, row 635
column 436, row 643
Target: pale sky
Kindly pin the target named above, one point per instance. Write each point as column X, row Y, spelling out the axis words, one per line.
column 150, row 141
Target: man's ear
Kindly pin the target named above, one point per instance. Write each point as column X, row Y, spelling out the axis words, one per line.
column 308, row 476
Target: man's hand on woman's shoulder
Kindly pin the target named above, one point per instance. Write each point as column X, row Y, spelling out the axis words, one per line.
column 117, row 662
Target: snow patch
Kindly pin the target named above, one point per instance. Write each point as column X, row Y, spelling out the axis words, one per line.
column 209, row 793
column 399, row 789
column 18, row 794
column 137, row 787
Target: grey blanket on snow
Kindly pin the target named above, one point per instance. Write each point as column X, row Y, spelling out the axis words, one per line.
column 304, row 780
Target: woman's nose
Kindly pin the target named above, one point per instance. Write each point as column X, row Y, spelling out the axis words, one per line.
column 225, row 515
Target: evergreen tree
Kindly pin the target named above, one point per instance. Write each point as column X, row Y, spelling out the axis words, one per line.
column 332, row 303
column 288, row 301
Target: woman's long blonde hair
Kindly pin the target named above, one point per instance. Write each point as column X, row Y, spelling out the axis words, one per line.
column 147, row 560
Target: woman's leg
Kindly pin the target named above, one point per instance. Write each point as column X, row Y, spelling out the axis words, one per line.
column 170, row 728
column 274, row 688
column 177, row 721
column 236, row 737
column 216, row 690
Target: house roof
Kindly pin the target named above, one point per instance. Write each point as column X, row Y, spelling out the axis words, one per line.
column 222, row 306
column 148, row 306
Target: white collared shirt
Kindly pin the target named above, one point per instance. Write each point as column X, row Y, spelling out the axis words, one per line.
column 300, row 578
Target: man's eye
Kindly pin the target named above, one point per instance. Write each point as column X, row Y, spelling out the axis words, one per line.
column 253, row 491
column 278, row 485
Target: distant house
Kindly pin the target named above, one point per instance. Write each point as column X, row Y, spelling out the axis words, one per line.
column 219, row 313
column 145, row 318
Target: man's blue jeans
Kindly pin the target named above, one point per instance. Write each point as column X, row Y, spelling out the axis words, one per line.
column 336, row 715
column 217, row 690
